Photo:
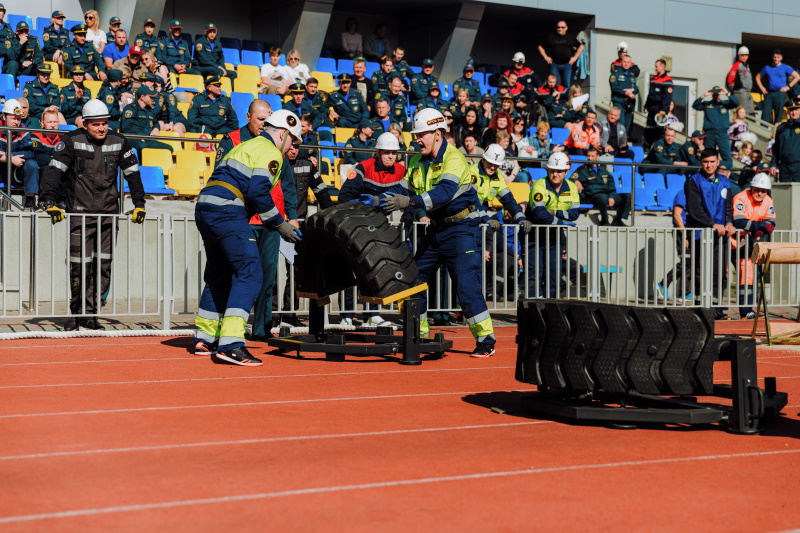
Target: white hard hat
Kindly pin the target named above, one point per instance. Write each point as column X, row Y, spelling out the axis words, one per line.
column 94, row 109
column 558, row 161
column 286, row 120
column 12, row 107
column 428, row 119
column 387, row 141
column 762, row 181
column 494, row 154
column 743, row 50
column 519, row 56
column 622, row 46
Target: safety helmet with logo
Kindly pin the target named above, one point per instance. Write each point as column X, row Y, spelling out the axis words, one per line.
column 283, row 119
column 94, row 109
column 387, row 141
column 428, row 120
column 519, row 57
column 761, row 181
column 494, row 154
column 558, row 161
column 622, row 46
column 12, row 107
column 743, row 50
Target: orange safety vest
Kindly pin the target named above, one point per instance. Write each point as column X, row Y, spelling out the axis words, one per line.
column 745, row 206
column 275, row 192
column 580, row 138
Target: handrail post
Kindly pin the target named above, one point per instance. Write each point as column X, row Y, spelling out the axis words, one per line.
column 166, row 271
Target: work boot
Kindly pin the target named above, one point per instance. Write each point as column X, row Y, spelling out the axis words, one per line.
column 71, row 324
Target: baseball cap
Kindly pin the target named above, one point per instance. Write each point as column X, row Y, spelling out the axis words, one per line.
column 144, row 90
column 58, row 15
column 114, row 20
column 175, row 23
column 150, row 22
column 344, row 77
column 135, row 50
column 149, row 76
column 698, row 133
column 434, row 87
column 22, row 25
column 794, row 103
column 77, row 70
column 211, row 26
column 427, row 62
column 44, row 69
column 114, row 74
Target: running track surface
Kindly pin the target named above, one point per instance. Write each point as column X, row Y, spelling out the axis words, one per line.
column 139, row 435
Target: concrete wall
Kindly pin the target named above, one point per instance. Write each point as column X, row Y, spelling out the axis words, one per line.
column 44, row 8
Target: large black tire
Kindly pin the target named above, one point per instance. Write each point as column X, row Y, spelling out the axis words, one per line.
column 612, row 348
column 353, row 244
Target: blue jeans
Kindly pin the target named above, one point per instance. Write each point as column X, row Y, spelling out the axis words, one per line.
column 28, row 174
column 563, row 73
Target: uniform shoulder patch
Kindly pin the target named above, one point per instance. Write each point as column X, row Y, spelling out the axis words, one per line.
column 612, row 78
column 352, row 174
column 739, row 206
column 199, row 46
column 128, row 113
column 221, row 111
column 669, row 89
column 659, row 148
column 413, row 80
column 220, row 152
column 25, row 92
column 60, row 146
column 46, row 36
column 538, row 197
column 690, row 151
column 771, row 210
column 8, row 44
column 274, row 167
column 109, row 98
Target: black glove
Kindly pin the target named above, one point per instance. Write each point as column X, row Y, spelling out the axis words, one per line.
column 526, row 226
column 55, row 212
column 494, row 223
column 393, row 202
column 289, row 233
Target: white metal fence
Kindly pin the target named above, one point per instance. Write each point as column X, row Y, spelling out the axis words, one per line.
column 157, row 268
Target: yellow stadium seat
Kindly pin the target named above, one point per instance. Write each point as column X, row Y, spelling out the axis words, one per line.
column 246, row 85
column 328, row 176
column 191, row 81
column 495, row 204
column 326, row 82
column 185, row 181
column 343, row 134
column 61, row 82
column 93, row 86
column 229, row 66
column 190, row 145
column 408, row 139
column 207, row 175
column 173, row 78
column 183, row 107
column 248, row 72
column 757, row 97
column 191, row 159
column 55, row 68
column 176, row 145
column 225, row 85
column 157, row 157
column 337, row 178
column 520, row 191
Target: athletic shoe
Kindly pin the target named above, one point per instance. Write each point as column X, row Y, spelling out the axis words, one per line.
column 483, row 350
column 661, row 292
column 203, row 348
column 30, row 203
column 346, row 322
column 239, row 356
column 71, row 324
column 751, row 314
column 378, row 322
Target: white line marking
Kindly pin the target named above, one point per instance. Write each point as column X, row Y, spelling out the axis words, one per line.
column 781, row 364
column 268, row 440
column 377, row 485
column 58, row 345
column 188, row 358
column 246, row 404
column 253, row 377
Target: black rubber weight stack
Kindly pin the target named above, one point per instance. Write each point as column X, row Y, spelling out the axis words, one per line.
column 619, row 349
column 349, row 244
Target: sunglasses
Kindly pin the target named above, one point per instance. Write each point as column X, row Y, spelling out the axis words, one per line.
column 293, row 59
column 88, row 18
column 449, row 116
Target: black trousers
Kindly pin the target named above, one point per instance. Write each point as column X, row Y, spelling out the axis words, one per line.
column 90, row 253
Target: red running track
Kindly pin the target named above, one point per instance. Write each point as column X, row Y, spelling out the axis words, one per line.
column 138, row 435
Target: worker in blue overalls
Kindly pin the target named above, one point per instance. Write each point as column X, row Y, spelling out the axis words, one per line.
column 239, row 186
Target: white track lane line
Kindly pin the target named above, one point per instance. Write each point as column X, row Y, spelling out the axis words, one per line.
column 188, row 358
column 249, row 404
column 58, row 345
column 268, row 440
column 382, row 484
column 187, row 380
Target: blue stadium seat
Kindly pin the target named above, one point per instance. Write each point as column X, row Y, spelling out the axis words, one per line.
column 675, row 181
column 653, row 180
column 345, row 66
column 255, row 46
column 38, row 34
column 327, row 154
column 415, row 70
column 372, row 68
column 241, row 102
column 13, row 93
column 230, row 42
column 559, row 135
column 153, row 181
column 623, row 180
column 6, row 82
column 14, row 19
column 665, row 197
column 443, row 94
column 42, row 22
column 480, row 77
column 326, row 64
column 273, row 100
column 70, row 23
column 188, row 38
column 638, row 154
column 25, row 79
column 231, row 56
column 67, row 127
column 645, row 198
column 490, row 90
column 281, row 61
column 251, row 57
column 537, row 173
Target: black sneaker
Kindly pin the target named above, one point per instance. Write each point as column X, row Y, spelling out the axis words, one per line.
column 30, row 203
column 239, row 356
column 92, row 323
column 203, row 348
column 483, row 350
column 71, row 324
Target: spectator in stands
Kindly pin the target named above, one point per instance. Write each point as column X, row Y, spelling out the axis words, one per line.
column 583, row 135
column 775, row 81
column 308, row 136
column 598, row 187
column 25, row 110
column 257, row 115
column 41, row 94
column 44, row 144
column 114, row 24
column 177, row 55
column 786, row 150
column 622, row 50
column 539, row 145
column 94, row 33
column 556, row 107
column 739, row 129
column 208, row 58
column 383, row 76
column 708, row 205
column 298, row 103
column 346, row 106
column 148, row 39
column 211, row 111
column 657, row 104
column 422, row 82
column 519, row 134
column 664, row 152
column 397, row 130
column 298, row 71
column 110, row 97
column 83, row 54
column 6, row 32
column 139, row 118
column 397, row 103
column 684, row 247
column 22, row 53
column 500, row 121
column 165, row 106
column 502, row 90
column 519, row 66
column 514, row 86
column 745, row 152
column 55, row 37
column 22, row 156
column 753, row 213
column 613, row 138
column 690, row 152
column 470, row 146
column 352, row 44
column 157, row 68
column 117, row 49
column 487, row 111
column 509, row 168
column 574, row 115
column 317, row 100
column 400, row 64
column 466, row 82
column 382, row 118
column 717, row 119
column 507, row 106
column 361, row 139
column 377, row 45
column 460, row 104
column 561, row 51
column 740, row 80
column 434, row 101
column 132, row 66
column 624, row 91
column 275, row 79
column 361, row 83
column 74, row 96
column 468, row 125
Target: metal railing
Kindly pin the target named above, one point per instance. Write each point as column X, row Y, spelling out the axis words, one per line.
column 157, row 268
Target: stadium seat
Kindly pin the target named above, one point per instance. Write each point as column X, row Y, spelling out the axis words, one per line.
column 449, row 94
column 415, row 70
column 6, row 82
column 93, row 86
column 185, row 181
column 183, row 107
column 38, row 34
column 645, row 198
column 70, row 23
column 372, row 68
column 559, row 135
column 14, row 19
column 325, row 79
column 408, row 138
column 623, row 180
column 326, row 64
column 56, row 69
column 537, row 173
column 176, row 145
column 281, row 61
column 246, row 85
column 42, row 22
column 520, row 191
column 225, row 86
column 25, row 79
column 255, row 46
column 675, row 181
column 638, row 153
column 664, row 197
column 188, row 38
column 252, row 57
column 273, row 100
column 191, row 81
column 343, row 134
column 653, row 180
column 345, row 66
column 480, row 77
column 61, row 82
column 248, row 72
column 231, row 56
column 67, row 127
column 13, row 93
column 153, row 180
column 157, row 157
column 241, row 103
column 191, row 159
column 230, row 42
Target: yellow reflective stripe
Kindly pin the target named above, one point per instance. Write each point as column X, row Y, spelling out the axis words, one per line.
column 424, row 327
column 207, row 328
column 232, row 327
column 225, row 185
column 482, row 329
